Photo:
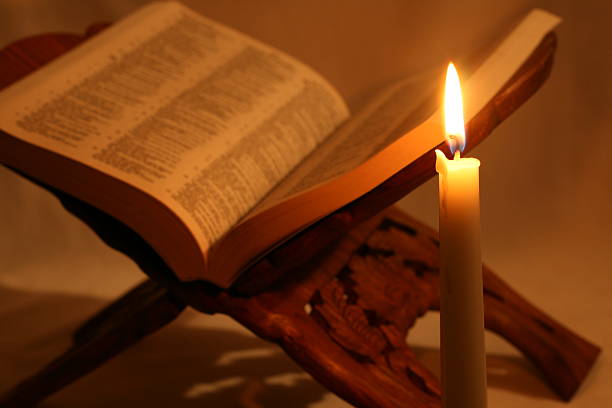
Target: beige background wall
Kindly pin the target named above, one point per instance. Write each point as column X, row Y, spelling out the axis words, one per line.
column 546, row 203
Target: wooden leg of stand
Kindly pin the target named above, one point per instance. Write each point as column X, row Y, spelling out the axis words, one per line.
column 148, row 296
column 140, row 312
column 563, row 357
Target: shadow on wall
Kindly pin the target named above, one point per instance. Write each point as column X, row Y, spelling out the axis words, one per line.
column 185, row 365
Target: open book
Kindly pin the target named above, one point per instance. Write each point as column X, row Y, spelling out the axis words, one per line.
column 213, row 146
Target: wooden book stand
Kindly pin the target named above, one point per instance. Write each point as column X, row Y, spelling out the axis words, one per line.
column 339, row 298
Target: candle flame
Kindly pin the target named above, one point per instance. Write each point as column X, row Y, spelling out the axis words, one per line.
column 453, row 111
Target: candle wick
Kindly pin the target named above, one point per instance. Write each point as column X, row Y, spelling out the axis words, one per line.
column 457, row 155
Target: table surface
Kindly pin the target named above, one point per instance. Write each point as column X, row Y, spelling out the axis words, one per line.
column 546, row 194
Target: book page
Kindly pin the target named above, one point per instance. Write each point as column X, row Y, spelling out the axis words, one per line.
column 199, row 116
column 403, row 106
column 395, row 111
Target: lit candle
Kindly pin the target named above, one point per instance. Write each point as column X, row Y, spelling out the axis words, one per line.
column 461, row 299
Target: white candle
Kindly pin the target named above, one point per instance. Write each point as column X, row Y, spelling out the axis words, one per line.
column 461, row 298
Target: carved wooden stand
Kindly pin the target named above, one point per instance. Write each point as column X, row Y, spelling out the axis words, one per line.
column 338, row 303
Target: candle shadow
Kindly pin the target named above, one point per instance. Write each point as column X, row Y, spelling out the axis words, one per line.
column 517, row 374
column 508, row 372
column 189, row 363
